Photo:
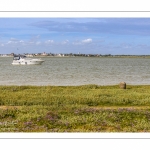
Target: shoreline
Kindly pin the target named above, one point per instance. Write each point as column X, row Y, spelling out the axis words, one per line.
column 84, row 85
column 112, row 56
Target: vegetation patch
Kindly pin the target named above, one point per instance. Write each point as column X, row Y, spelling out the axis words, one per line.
column 87, row 108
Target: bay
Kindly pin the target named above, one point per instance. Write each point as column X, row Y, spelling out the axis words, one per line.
column 73, row 71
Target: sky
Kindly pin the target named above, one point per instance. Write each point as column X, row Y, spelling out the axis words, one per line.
column 115, row 36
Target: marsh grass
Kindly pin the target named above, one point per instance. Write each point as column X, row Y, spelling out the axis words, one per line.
column 87, row 108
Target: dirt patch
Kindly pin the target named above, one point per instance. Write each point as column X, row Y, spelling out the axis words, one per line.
column 10, row 107
column 119, row 107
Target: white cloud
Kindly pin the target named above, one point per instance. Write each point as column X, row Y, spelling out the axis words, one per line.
column 38, row 43
column 49, row 41
column 77, row 43
column 82, row 42
column 13, row 39
column 65, row 42
column 11, row 42
column 2, row 44
column 87, row 41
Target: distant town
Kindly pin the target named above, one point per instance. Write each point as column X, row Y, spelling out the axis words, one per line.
column 69, row 55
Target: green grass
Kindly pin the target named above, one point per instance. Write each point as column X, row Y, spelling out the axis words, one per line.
column 88, row 108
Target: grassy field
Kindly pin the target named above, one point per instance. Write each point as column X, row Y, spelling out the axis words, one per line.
column 88, row 108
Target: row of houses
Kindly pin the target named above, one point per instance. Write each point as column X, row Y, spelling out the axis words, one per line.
column 71, row 55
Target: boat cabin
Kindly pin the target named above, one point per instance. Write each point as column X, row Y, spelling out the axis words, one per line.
column 18, row 57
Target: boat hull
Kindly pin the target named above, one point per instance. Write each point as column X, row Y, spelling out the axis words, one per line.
column 27, row 62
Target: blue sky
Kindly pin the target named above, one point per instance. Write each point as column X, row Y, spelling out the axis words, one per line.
column 73, row 35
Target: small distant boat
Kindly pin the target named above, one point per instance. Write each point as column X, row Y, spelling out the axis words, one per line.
column 23, row 60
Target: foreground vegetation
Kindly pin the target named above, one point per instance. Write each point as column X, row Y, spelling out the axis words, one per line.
column 88, row 108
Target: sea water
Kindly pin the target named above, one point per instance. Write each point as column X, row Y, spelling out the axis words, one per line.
column 73, row 71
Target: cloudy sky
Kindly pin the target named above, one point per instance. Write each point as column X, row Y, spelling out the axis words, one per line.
column 75, row 35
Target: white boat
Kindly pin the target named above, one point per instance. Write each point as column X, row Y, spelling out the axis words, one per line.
column 22, row 60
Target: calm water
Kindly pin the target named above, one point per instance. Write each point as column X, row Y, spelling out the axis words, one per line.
column 76, row 71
